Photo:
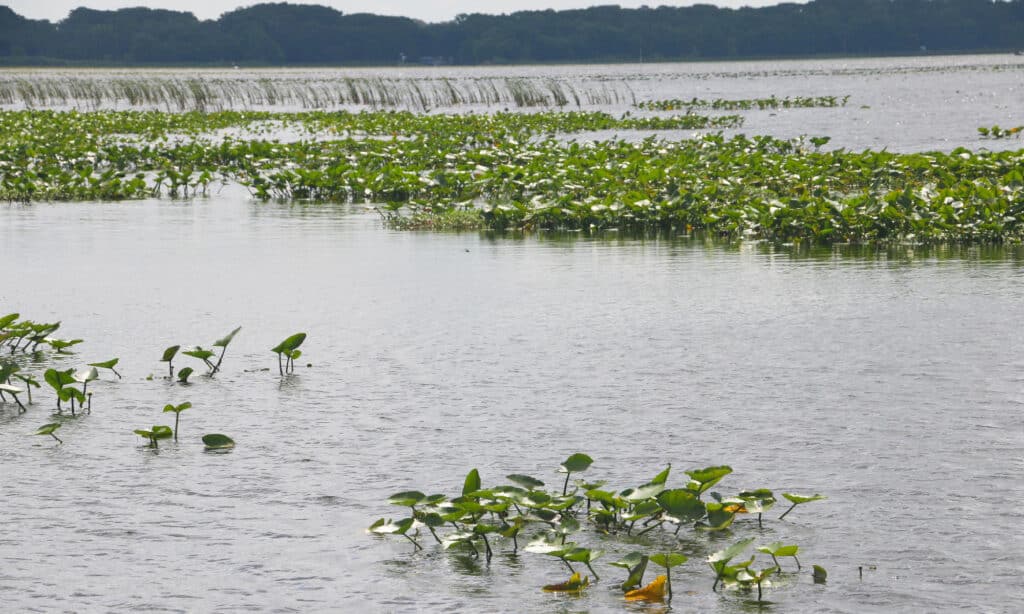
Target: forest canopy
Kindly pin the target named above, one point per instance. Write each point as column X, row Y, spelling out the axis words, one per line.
column 288, row 34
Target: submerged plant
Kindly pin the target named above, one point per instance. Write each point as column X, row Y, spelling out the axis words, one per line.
column 289, row 348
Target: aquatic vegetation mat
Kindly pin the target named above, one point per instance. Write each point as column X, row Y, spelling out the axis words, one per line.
column 519, row 171
column 643, row 522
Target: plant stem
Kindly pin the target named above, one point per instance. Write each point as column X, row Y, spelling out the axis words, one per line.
column 651, row 528
column 787, row 511
column 59, row 440
column 596, row 577
column 565, row 487
column 668, row 582
column 217, row 366
column 177, row 415
column 18, row 401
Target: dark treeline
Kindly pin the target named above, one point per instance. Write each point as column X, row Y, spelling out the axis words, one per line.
column 282, row 34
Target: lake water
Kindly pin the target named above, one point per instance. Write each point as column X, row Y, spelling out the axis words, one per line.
column 890, row 380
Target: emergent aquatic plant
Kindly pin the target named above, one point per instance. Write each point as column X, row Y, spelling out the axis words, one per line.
column 48, row 429
column 177, row 409
column 107, row 364
column 288, row 348
column 155, row 434
column 796, row 500
column 14, row 391
column 223, row 343
column 168, row 357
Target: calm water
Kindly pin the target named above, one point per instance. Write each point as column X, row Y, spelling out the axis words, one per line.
column 890, row 380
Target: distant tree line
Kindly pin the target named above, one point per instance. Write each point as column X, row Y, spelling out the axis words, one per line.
column 286, row 34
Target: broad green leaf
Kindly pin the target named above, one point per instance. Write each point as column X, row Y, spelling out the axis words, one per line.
column 199, row 353
column 576, row 463
column 216, row 441
column 583, row 555
column 169, row 353
column 106, row 364
column 669, row 560
column 68, row 393
column 407, row 498
column 707, row 477
column 460, row 537
column 646, row 491
column 681, row 505
column 48, row 429
column 795, row 498
column 820, row 575
column 392, row 527
column 630, row 560
column 225, row 340
column 525, row 481
column 162, row 432
column 779, row 549
column 10, row 389
column 177, row 408
column 431, row 519
column 662, row 477
column 727, row 554
column 184, row 373
column 720, row 516
column 9, row 319
column 289, row 344
column 472, row 482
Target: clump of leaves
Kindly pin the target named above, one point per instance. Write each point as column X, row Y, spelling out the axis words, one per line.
column 289, row 349
column 155, row 434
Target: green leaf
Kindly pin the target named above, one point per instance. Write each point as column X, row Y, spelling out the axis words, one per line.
column 162, row 432
column 779, row 549
column 643, row 492
column 68, row 393
column 407, row 498
column 527, row 482
column 184, row 373
column 583, row 555
column 392, row 527
column 820, row 575
column 669, row 560
column 576, row 463
column 199, row 353
column 727, row 554
column 225, row 340
column 177, row 408
column 10, row 389
column 681, row 505
column 707, row 477
column 218, row 441
column 48, row 429
column 662, row 477
column 798, row 499
column 289, row 344
column 472, row 482
column 106, row 364
column 143, row 433
column 630, row 560
column 8, row 319
column 169, row 353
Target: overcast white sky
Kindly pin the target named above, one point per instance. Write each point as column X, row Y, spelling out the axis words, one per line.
column 427, row 10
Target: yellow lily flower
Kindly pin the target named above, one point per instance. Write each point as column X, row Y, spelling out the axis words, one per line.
column 575, row 584
column 655, row 591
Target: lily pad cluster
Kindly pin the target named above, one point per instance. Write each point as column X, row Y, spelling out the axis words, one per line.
column 521, row 514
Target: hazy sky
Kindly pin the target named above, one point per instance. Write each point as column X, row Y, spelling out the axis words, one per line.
column 427, row 10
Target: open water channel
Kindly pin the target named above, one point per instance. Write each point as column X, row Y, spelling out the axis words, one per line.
column 890, row 380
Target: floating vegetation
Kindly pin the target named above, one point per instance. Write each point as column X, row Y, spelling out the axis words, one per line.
column 746, row 104
column 995, row 132
column 649, row 515
column 517, row 171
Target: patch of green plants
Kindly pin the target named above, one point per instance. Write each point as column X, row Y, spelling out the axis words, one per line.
column 722, row 104
column 995, row 132
column 557, row 523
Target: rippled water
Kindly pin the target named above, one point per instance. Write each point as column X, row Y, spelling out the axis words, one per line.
column 890, row 380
